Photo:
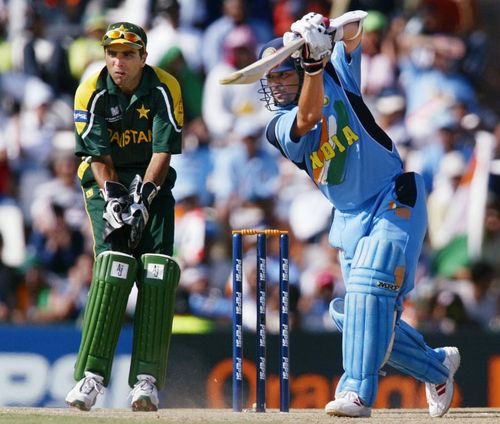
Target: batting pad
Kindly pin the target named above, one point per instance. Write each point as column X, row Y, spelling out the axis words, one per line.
column 410, row 354
column 370, row 313
column 154, row 313
column 114, row 275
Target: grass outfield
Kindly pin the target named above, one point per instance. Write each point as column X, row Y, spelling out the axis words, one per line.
column 218, row 416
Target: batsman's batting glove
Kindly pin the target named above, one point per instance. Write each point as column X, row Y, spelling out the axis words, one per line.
column 337, row 25
column 314, row 28
column 138, row 217
column 117, row 204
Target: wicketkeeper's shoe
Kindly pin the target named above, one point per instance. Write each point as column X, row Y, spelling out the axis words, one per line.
column 84, row 394
column 439, row 396
column 347, row 404
column 144, row 394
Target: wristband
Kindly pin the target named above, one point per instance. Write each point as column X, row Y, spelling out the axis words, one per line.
column 313, row 67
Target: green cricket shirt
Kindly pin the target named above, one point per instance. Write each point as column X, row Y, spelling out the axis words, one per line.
column 130, row 129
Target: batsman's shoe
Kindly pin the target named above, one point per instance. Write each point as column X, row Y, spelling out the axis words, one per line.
column 144, row 394
column 84, row 394
column 347, row 404
column 439, row 396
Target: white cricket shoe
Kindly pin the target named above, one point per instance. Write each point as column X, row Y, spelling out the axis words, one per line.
column 347, row 404
column 439, row 396
column 144, row 394
column 84, row 394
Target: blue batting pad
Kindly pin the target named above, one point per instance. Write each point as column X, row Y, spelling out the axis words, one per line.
column 370, row 312
column 410, row 354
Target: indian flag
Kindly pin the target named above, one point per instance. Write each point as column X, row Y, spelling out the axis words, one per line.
column 464, row 223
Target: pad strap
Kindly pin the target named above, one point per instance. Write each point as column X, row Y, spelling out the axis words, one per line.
column 112, row 280
column 153, row 317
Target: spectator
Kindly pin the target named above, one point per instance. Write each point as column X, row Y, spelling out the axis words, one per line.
column 87, row 49
column 42, row 55
column 285, row 12
column 390, row 110
column 223, row 105
column 32, row 293
column 204, row 299
column 11, row 217
column 192, row 224
column 378, row 70
column 491, row 242
column 168, row 32
column 66, row 300
column 431, row 81
column 9, row 281
column 451, row 170
column 448, row 314
column 483, row 299
column 173, row 61
column 30, row 142
column 62, row 188
column 245, row 174
column 427, row 160
column 218, row 32
column 55, row 245
column 314, row 315
column 194, row 168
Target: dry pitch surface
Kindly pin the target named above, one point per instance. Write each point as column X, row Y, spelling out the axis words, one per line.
column 224, row 416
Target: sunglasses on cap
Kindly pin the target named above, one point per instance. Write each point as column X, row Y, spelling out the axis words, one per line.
column 115, row 34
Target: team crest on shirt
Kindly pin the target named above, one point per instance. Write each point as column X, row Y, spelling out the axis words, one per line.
column 116, row 114
column 143, row 112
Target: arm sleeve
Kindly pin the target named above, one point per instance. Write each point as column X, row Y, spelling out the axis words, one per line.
column 216, row 109
column 168, row 122
column 90, row 124
column 279, row 134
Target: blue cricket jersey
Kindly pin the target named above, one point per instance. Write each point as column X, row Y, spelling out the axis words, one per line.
column 348, row 156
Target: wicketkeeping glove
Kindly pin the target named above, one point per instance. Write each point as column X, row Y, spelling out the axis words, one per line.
column 117, row 205
column 314, row 28
column 142, row 195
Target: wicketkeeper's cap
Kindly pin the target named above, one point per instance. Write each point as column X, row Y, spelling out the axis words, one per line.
column 125, row 33
column 269, row 48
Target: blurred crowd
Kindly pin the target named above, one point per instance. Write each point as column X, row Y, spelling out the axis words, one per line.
column 424, row 67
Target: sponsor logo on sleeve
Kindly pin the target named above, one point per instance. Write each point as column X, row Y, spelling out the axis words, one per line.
column 81, row 116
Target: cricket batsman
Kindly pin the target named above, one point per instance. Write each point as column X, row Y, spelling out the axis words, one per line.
column 324, row 127
column 128, row 120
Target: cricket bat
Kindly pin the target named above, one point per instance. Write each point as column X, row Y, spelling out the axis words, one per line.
column 256, row 70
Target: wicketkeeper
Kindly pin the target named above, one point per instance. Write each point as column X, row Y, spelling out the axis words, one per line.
column 128, row 120
column 324, row 127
